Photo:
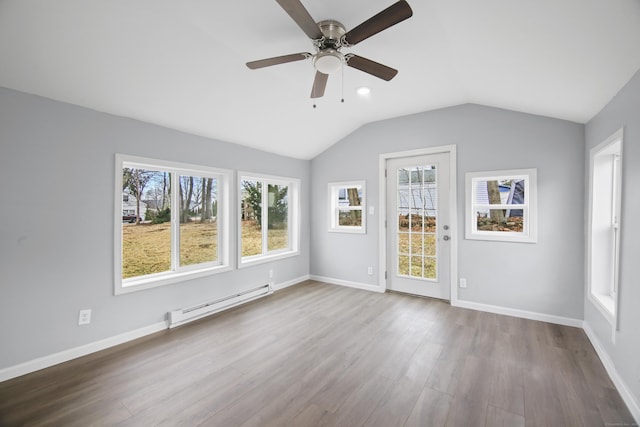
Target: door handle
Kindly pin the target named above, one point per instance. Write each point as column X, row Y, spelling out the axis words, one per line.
column 445, row 238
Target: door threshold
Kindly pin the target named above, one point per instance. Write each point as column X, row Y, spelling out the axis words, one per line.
column 418, row 296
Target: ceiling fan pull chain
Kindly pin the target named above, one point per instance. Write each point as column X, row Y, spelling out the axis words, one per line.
column 313, row 90
column 342, row 89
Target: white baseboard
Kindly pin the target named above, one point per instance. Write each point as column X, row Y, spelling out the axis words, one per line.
column 83, row 350
column 357, row 285
column 627, row 396
column 531, row 315
column 73, row 353
column 296, row 281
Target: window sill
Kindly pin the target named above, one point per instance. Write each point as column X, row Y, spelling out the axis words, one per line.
column 162, row 279
column 606, row 305
column 261, row 259
column 501, row 237
column 348, row 230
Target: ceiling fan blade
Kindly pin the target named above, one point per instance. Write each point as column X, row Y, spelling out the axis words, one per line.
column 301, row 16
column 278, row 60
column 319, row 84
column 371, row 67
column 392, row 15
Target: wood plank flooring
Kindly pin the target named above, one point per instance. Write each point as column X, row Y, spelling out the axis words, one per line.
column 322, row 355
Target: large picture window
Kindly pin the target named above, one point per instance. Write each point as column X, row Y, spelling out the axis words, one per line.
column 268, row 226
column 501, row 205
column 171, row 222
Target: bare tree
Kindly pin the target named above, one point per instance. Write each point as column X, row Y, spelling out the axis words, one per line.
column 493, row 190
column 186, row 193
column 207, row 184
column 136, row 180
column 354, row 200
column 166, row 189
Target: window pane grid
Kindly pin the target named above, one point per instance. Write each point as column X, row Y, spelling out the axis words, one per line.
column 416, row 201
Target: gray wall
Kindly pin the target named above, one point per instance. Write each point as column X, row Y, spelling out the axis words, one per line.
column 56, row 225
column 623, row 111
column 546, row 277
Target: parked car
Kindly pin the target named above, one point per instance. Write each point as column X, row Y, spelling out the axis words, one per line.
column 131, row 219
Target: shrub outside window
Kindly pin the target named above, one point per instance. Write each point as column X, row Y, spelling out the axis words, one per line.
column 171, row 222
column 501, row 205
column 346, row 207
column 269, row 211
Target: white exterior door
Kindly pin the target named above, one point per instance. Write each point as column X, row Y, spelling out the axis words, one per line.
column 418, row 225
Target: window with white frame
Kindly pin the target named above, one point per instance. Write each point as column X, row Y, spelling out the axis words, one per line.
column 346, row 207
column 171, row 222
column 605, row 186
column 269, row 212
column 501, row 205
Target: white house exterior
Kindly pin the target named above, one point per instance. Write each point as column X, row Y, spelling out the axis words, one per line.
column 129, row 205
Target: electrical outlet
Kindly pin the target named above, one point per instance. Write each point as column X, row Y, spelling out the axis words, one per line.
column 370, row 271
column 372, row 210
column 463, row 283
column 270, row 274
column 84, row 318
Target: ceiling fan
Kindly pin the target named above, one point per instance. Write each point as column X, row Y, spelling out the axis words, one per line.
column 330, row 36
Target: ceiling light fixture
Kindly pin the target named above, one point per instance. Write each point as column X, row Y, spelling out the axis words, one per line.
column 328, row 61
column 363, row 91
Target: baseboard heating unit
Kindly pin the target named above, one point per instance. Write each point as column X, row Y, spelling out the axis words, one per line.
column 185, row 315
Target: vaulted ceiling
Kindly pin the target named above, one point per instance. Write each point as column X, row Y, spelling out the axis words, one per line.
column 181, row 64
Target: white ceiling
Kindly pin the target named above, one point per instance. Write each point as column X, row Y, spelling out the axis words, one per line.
column 181, row 64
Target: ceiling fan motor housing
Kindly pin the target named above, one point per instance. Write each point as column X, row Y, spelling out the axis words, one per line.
column 332, row 31
column 329, row 59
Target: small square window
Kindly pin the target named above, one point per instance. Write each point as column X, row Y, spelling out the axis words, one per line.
column 346, row 207
column 501, row 205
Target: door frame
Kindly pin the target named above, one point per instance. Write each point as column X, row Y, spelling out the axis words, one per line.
column 453, row 211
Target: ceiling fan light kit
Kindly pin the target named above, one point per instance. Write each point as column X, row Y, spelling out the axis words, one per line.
column 329, row 36
column 328, row 61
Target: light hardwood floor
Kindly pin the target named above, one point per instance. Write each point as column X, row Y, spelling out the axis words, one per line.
column 323, row 355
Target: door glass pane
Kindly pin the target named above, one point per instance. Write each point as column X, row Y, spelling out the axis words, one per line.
column 403, row 265
column 416, row 244
column 430, row 244
column 416, row 266
column 429, row 267
column 198, row 225
column 417, row 219
column 403, row 243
